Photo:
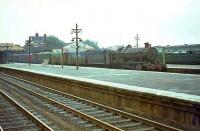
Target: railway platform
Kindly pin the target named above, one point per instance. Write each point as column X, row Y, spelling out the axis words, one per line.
column 177, row 68
column 173, row 82
column 171, row 96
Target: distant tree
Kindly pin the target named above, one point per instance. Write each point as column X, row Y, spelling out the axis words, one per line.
column 91, row 43
column 50, row 43
column 54, row 41
column 120, row 48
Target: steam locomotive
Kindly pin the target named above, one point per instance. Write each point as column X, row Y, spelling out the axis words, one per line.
column 128, row 58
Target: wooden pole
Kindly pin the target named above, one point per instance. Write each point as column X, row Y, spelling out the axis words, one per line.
column 62, row 58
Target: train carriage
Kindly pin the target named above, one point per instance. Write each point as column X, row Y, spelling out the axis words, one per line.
column 131, row 58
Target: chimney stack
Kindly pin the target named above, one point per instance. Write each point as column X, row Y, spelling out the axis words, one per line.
column 36, row 34
column 147, row 45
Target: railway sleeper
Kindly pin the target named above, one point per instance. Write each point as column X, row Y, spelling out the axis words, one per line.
column 103, row 115
column 8, row 109
column 67, row 115
column 11, row 116
column 111, row 118
column 144, row 129
column 7, row 113
column 82, row 122
column 118, row 121
column 24, row 122
column 55, row 128
column 96, row 112
column 4, row 104
column 66, row 99
column 89, row 109
column 79, row 107
column 89, row 125
column 98, row 129
column 18, row 127
column 128, row 125
column 12, row 119
column 72, row 103
column 77, row 120
column 58, row 110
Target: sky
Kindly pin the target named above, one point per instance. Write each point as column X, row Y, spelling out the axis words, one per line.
column 108, row 22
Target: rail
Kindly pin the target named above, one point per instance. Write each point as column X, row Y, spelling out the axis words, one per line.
column 26, row 112
column 90, row 118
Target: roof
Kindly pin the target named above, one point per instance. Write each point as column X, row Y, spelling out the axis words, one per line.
column 37, row 39
column 180, row 46
column 10, row 47
column 82, row 47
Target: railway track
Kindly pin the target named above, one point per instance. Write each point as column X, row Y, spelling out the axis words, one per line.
column 14, row 117
column 81, row 112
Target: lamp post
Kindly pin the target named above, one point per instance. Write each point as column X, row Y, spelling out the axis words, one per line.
column 76, row 31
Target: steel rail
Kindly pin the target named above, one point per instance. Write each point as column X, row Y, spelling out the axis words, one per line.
column 119, row 112
column 116, row 111
column 42, row 125
column 67, row 108
column 1, row 129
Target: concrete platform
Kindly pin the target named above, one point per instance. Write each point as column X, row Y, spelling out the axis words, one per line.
column 192, row 69
column 183, row 66
column 173, row 82
column 169, row 97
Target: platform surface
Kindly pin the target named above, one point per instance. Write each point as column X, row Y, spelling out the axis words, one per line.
column 178, row 66
column 171, row 82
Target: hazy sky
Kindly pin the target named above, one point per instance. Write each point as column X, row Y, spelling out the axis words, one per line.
column 109, row 22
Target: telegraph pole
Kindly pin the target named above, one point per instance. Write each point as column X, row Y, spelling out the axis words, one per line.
column 29, row 51
column 76, row 31
column 137, row 38
column 163, row 54
column 7, row 59
column 12, row 57
column 62, row 61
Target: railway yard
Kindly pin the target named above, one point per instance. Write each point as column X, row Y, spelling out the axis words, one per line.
column 46, row 97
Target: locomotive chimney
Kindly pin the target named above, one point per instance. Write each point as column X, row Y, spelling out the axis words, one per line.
column 36, row 34
column 146, row 45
